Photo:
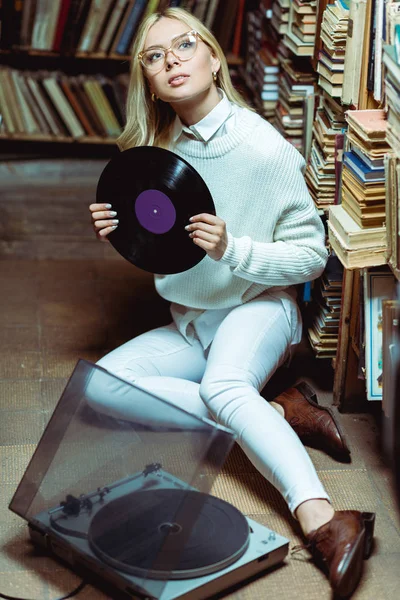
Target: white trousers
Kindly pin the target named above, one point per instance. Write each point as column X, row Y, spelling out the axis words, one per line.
column 252, row 341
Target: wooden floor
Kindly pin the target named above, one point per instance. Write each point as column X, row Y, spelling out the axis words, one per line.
column 65, row 296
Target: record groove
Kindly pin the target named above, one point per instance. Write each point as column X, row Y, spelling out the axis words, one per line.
column 154, row 192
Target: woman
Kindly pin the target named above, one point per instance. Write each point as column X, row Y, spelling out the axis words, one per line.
column 235, row 318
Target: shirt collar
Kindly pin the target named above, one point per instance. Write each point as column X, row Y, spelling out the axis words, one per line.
column 209, row 125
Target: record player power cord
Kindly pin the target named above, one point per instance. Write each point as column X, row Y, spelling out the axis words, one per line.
column 73, row 593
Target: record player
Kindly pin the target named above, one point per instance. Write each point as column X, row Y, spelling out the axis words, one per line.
column 129, row 501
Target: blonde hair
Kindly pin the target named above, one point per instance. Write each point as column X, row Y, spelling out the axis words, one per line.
column 150, row 123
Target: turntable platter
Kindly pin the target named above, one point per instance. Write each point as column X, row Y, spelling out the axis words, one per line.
column 168, row 534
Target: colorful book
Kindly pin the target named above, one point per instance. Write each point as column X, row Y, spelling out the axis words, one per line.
column 361, row 169
column 132, row 23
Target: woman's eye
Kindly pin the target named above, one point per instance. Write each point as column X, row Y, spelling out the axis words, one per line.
column 154, row 57
column 184, row 45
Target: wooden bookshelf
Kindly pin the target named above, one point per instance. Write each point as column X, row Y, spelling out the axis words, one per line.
column 72, row 117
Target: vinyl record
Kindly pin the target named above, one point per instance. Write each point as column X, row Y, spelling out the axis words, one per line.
column 154, row 193
column 169, row 534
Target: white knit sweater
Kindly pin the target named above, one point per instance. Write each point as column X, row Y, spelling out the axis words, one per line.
column 275, row 236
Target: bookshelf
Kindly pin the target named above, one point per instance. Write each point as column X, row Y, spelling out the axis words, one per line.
column 64, row 68
column 342, row 55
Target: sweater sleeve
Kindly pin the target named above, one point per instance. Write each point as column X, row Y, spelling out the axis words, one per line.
column 297, row 253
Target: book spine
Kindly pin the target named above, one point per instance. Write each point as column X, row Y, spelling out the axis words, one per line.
column 131, row 26
column 112, row 27
column 61, row 24
column 371, row 52
column 339, row 143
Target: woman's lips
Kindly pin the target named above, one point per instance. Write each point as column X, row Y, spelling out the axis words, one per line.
column 178, row 80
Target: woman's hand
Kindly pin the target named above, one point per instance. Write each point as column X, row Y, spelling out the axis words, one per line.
column 209, row 232
column 103, row 219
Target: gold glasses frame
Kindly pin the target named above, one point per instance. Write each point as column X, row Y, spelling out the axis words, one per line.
column 166, row 50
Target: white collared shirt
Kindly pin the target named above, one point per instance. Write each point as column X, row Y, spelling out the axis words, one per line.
column 221, row 120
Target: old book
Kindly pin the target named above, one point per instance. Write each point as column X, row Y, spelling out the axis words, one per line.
column 211, row 12
column 109, row 88
column 12, row 100
column 122, row 25
column 8, row 120
column 76, row 84
column 97, row 13
column 391, row 208
column 351, row 234
column 77, row 16
column 361, row 169
column 44, row 28
column 112, row 125
column 42, row 101
column 28, row 17
column 369, row 124
column 334, row 77
column 44, row 127
column 128, row 33
column 30, row 124
column 358, row 258
column 63, row 107
column 333, row 89
column 354, row 57
column 113, row 25
column 92, row 92
column 60, row 26
column 76, row 106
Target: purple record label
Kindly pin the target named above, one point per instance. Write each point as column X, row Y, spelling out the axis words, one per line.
column 155, row 211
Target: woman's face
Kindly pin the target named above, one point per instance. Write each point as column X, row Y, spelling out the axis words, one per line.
column 179, row 81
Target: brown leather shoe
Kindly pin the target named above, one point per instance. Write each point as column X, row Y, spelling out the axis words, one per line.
column 340, row 546
column 315, row 425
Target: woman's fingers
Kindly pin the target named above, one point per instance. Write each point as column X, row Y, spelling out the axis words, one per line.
column 206, row 218
column 104, row 214
column 103, row 233
column 204, row 235
column 103, row 220
column 216, row 229
column 109, row 223
column 98, row 207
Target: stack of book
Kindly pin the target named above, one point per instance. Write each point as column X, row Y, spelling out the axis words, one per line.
column 52, row 105
column 294, row 111
column 330, row 65
column 363, row 175
column 301, row 29
column 324, row 310
column 391, row 58
column 355, row 246
column 280, row 16
column 324, row 168
column 357, row 231
column 262, row 66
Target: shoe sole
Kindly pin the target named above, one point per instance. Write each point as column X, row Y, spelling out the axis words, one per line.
column 352, row 569
column 312, row 399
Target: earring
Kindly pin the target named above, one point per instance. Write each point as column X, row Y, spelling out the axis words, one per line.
column 153, row 97
column 214, row 75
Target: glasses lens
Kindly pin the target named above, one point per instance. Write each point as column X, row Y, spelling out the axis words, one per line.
column 184, row 46
column 153, row 59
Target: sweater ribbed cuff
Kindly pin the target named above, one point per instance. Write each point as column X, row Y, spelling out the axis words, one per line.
column 235, row 250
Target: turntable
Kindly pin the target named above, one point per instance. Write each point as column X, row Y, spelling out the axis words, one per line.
column 129, row 501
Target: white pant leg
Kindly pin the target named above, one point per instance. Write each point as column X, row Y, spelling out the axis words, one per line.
column 160, row 361
column 250, row 344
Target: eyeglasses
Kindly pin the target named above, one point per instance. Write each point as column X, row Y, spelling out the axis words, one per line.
column 183, row 48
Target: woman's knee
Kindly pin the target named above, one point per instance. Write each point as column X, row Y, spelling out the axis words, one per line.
column 223, row 390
